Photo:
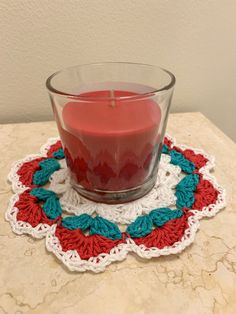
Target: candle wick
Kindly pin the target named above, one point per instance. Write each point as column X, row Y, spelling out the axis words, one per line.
column 113, row 103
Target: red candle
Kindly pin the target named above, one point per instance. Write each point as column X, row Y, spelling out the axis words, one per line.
column 110, row 144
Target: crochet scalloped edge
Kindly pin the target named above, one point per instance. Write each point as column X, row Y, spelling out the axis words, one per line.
column 71, row 258
column 22, row 227
column 98, row 264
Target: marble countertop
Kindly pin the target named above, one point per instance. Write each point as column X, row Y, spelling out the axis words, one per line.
column 202, row 279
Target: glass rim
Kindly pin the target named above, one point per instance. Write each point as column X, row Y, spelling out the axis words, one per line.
column 130, row 97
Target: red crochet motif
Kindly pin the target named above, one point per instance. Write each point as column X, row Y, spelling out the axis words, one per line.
column 30, row 210
column 205, row 194
column 86, row 246
column 53, row 148
column 166, row 235
column 27, row 170
column 168, row 142
column 198, row 159
column 179, row 150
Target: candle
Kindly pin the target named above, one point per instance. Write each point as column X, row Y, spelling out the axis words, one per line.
column 112, row 118
column 110, row 143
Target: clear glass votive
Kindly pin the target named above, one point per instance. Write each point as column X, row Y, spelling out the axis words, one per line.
column 111, row 118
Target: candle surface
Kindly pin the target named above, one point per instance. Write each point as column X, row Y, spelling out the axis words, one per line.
column 110, row 144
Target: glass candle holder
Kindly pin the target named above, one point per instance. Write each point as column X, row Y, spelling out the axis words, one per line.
column 111, row 118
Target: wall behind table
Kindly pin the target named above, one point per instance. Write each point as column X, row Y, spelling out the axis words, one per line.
column 196, row 40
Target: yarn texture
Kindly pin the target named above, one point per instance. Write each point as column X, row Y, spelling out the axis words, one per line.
column 85, row 235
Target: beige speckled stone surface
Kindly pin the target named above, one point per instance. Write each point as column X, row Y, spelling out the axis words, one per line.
column 202, row 279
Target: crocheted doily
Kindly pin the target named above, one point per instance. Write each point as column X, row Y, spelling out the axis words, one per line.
column 86, row 235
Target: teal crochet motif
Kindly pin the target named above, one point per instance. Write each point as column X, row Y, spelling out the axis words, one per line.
column 178, row 159
column 51, row 206
column 97, row 225
column 82, row 222
column 42, row 194
column 140, row 227
column 48, row 167
column 105, row 228
column 165, row 149
column 59, row 154
column 185, row 191
column 161, row 216
column 143, row 225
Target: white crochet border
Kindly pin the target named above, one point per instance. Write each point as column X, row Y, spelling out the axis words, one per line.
column 97, row 264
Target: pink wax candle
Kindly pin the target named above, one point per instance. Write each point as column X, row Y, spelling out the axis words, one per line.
column 110, row 144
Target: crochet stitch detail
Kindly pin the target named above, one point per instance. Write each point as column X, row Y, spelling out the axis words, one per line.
column 93, row 236
column 48, row 167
